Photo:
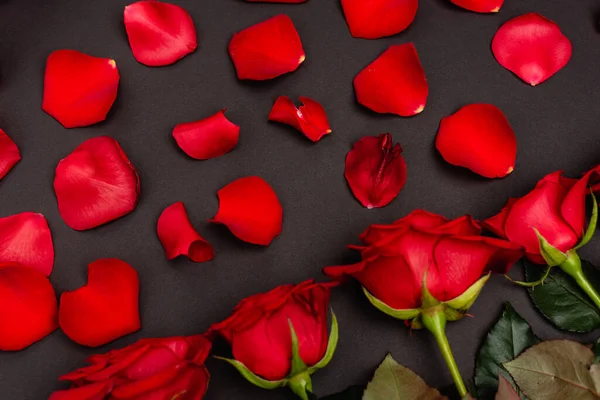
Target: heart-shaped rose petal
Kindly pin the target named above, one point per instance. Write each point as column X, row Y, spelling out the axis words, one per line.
column 375, row 19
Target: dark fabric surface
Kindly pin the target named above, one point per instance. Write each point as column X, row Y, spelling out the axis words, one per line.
column 556, row 125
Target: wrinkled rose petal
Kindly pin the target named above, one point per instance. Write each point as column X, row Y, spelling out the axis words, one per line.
column 267, row 50
column 379, row 18
column 394, row 83
column 159, row 33
column 480, row 6
column 210, row 137
column 375, row 170
column 251, row 210
column 25, row 238
column 106, row 308
column 9, row 154
column 532, row 47
column 95, row 184
column 310, row 118
column 28, row 307
column 179, row 237
column 79, row 89
column 478, row 137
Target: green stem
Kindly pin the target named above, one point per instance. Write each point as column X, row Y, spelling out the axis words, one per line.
column 572, row 266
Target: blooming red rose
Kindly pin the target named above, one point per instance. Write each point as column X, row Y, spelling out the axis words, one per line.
column 150, row 369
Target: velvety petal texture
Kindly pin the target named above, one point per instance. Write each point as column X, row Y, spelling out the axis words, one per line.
column 394, row 83
column 310, row 118
column 95, row 184
column 9, row 154
column 159, row 33
column 267, row 50
column 532, row 47
column 79, row 89
column 374, row 19
column 478, row 137
column 480, row 6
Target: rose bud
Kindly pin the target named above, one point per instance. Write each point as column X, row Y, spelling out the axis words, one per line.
column 280, row 338
column 165, row 368
column 427, row 270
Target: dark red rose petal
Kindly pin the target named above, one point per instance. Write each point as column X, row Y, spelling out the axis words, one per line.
column 267, row 50
column 95, row 184
column 394, row 83
column 106, row 308
column 532, row 47
column 93, row 391
column 379, row 18
column 207, row 138
column 159, row 33
column 375, row 170
column 480, row 6
column 478, row 137
column 310, row 118
column 27, row 307
column 9, row 154
column 251, row 210
column 179, row 237
column 79, row 90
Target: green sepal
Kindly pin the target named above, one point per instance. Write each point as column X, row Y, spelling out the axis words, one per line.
column 463, row 302
column 551, row 254
column 406, row 314
column 427, row 299
column 334, row 336
column 298, row 365
column 589, row 233
column 252, row 377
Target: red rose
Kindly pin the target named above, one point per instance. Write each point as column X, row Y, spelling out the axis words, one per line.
column 151, row 369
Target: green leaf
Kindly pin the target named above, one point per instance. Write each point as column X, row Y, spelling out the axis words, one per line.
column 352, row 393
column 508, row 338
column 506, row 391
column 562, row 301
column 393, row 381
column 555, row 370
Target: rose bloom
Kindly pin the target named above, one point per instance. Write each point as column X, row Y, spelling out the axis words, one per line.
column 259, row 332
column 150, row 369
column 396, row 257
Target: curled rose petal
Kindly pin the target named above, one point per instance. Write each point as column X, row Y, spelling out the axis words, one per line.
column 532, row 47
column 251, row 210
column 159, row 33
column 9, row 154
column 26, row 239
column 480, row 6
column 28, row 307
column 375, row 170
column 95, row 184
column 310, row 118
column 379, row 18
column 478, row 137
column 79, row 89
column 267, row 50
column 394, row 83
column 179, row 237
column 106, row 308
column 207, row 138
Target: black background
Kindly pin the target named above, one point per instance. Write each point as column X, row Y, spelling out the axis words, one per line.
column 556, row 125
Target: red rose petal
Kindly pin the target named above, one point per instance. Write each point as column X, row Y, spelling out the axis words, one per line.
column 95, row 184
column 93, row 391
column 375, row 170
column 106, row 308
column 207, row 138
column 478, row 137
column 28, row 307
column 310, row 118
column 79, row 89
column 179, row 237
column 267, row 50
column 159, row 33
column 379, row 18
column 251, row 210
column 394, row 83
column 26, row 239
column 9, row 154
column 480, row 6
column 532, row 47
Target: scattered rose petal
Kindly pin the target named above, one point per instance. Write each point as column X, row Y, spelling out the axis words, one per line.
column 26, row 239
column 79, row 89
column 159, row 33
column 379, row 18
column 394, row 83
column 478, row 137
column 95, row 184
column 208, row 138
column 106, row 308
column 28, row 307
column 375, row 170
column 179, row 237
column 9, row 154
column 532, row 47
column 310, row 118
column 251, row 210
column 267, row 50
column 480, row 6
